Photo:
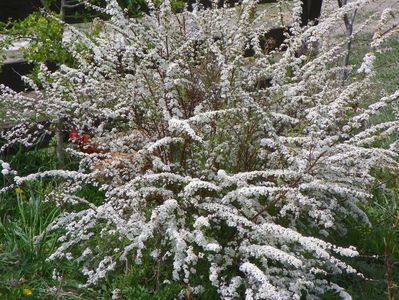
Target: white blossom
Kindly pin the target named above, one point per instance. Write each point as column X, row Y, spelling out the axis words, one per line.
column 200, row 163
column 367, row 64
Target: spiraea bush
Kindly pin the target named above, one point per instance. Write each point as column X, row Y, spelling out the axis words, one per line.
column 227, row 171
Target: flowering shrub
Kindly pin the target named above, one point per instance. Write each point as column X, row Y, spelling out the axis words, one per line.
column 219, row 176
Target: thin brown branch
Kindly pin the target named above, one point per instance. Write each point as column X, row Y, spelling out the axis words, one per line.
column 281, row 195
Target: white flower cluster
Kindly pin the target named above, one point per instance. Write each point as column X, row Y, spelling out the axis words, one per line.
column 367, row 64
column 6, row 168
column 7, row 172
column 205, row 167
column 386, row 27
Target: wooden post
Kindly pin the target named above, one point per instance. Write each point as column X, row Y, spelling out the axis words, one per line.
column 59, row 137
column 349, row 22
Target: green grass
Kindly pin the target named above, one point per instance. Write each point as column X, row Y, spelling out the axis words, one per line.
column 386, row 63
column 22, row 260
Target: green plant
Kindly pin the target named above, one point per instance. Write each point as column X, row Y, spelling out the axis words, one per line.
column 22, row 259
column 45, row 37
